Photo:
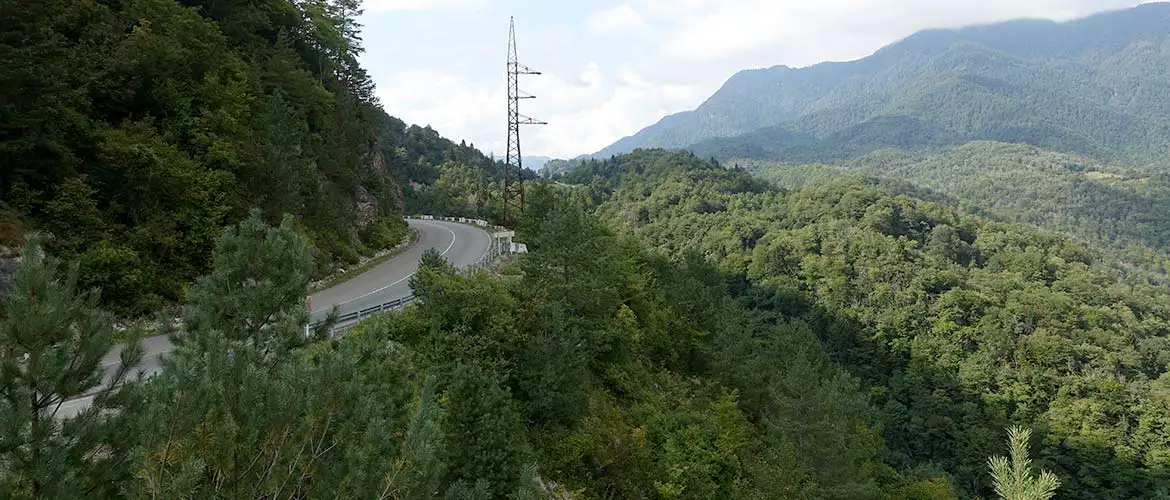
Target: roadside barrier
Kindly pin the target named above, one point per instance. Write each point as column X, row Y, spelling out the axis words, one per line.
column 501, row 244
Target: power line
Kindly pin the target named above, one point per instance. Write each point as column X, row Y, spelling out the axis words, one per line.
column 513, row 162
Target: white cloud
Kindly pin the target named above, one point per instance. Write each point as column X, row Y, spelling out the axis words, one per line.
column 617, row 20
column 806, row 32
column 589, row 110
column 456, row 107
column 670, row 55
column 376, row 6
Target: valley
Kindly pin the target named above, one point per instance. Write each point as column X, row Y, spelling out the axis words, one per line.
column 940, row 271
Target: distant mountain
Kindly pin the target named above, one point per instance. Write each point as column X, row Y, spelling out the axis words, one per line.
column 535, row 163
column 1096, row 86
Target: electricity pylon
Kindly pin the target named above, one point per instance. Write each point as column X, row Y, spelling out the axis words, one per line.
column 513, row 163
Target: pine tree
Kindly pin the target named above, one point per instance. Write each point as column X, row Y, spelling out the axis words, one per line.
column 248, row 407
column 254, row 297
column 483, row 433
column 53, row 339
column 418, row 473
column 1013, row 477
column 431, row 264
column 227, row 417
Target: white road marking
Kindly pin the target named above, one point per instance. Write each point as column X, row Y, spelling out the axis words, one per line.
column 404, row 278
column 73, row 406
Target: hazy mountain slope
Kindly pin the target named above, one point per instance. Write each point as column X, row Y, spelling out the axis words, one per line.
column 1094, row 86
column 1124, row 209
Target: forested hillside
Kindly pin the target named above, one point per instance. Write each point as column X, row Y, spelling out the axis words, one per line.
column 703, row 335
column 955, row 325
column 1123, row 210
column 1093, row 86
column 589, row 368
column 429, row 167
column 132, row 132
column 678, row 330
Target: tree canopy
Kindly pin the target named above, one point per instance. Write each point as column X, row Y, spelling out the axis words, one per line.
column 131, row 132
column 956, row 325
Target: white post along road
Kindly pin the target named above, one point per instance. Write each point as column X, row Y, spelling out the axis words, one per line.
column 461, row 244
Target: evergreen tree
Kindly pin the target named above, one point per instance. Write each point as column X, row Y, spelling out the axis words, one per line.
column 53, row 341
column 483, row 433
column 419, row 472
column 248, row 406
column 1013, row 477
column 227, row 401
column 430, row 264
column 254, row 299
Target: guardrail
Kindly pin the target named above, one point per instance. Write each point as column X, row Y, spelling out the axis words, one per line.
column 364, row 313
column 350, row 320
column 501, row 244
column 463, row 220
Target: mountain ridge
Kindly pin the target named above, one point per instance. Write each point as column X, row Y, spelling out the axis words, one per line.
column 1073, row 86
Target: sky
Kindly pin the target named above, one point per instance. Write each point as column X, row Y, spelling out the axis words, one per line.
column 613, row 67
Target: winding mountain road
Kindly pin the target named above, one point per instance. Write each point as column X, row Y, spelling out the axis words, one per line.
column 462, row 245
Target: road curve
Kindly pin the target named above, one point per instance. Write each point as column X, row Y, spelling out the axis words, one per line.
column 462, row 245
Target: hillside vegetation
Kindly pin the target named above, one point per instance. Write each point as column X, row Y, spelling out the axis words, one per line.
column 956, row 326
column 592, row 368
column 131, row 132
column 1124, row 211
column 679, row 329
column 1091, row 86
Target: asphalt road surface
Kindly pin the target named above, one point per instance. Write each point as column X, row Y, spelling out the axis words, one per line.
column 462, row 245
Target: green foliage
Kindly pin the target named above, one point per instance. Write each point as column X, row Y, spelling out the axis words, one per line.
column 131, row 132
column 255, row 293
column 482, row 431
column 929, row 489
column 247, row 407
column 1122, row 210
column 909, row 334
column 53, row 341
column 955, row 325
column 458, row 191
column 386, row 233
column 634, row 375
column 680, row 329
column 1013, row 478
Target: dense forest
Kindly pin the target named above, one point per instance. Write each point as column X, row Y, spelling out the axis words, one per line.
column 1122, row 211
column 678, row 330
column 131, row 132
column 439, row 176
column 593, row 367
column 1092, row 86
column 954, row 325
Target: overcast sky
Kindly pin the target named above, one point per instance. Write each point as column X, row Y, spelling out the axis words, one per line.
column 612, row 67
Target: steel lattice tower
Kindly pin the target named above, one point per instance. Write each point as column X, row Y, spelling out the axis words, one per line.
column 513, row 163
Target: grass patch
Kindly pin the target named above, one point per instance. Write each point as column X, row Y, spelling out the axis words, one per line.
column 348, row 274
